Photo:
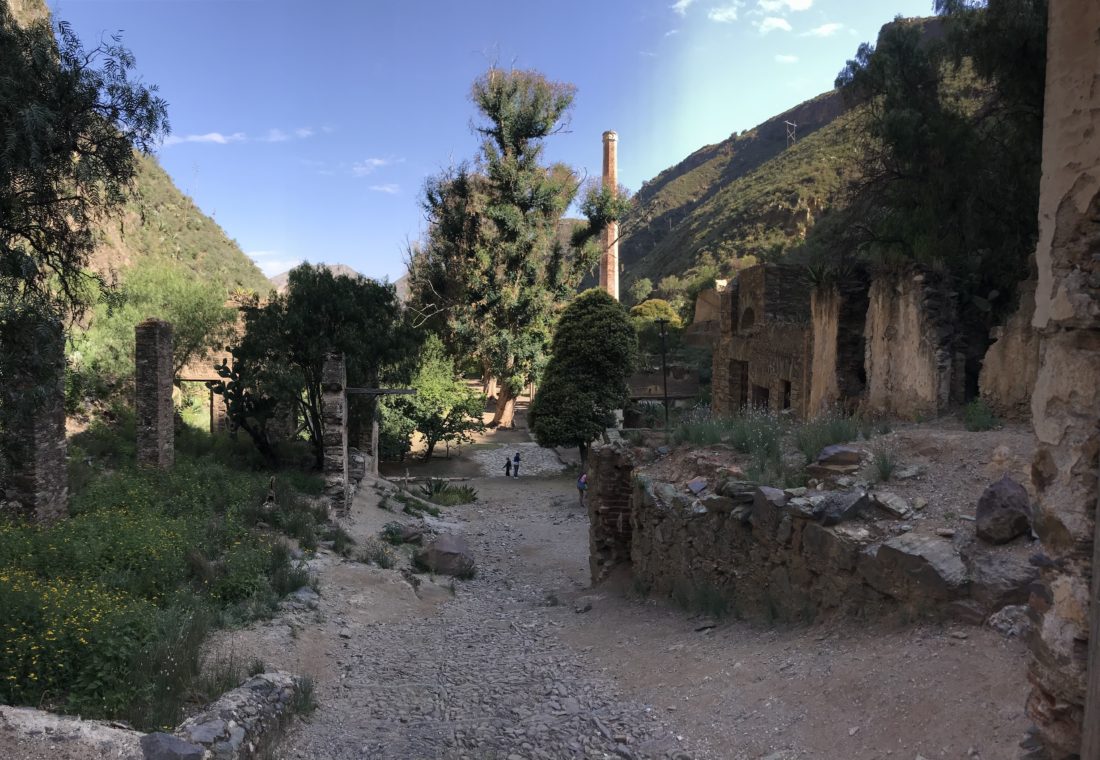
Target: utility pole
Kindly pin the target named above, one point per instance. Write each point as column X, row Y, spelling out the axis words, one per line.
column 663, row 324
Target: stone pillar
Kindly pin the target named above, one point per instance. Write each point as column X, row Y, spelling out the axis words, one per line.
column 40, row 486
column 1066, row 401
column 219, row 414
column 334, row 432
column 609, row 261
column 153, row 394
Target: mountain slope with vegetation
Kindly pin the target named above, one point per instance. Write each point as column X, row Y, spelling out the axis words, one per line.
column 161, row 226
column 743, row 196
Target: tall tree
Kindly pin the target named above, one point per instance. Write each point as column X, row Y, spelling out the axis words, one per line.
column 283, row 349
column 497, row 266
column 595, row 350
column 951, row 160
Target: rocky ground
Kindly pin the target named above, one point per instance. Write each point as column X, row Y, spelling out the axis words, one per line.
column 526, row 661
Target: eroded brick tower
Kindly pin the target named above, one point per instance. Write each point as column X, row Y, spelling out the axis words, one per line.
column 609, row 261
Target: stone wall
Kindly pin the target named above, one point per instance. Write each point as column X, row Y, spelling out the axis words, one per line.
column 910, row 346
column 771, row 555
column 153, row 394
column 1066, row 402
column 1011, row 364
column 610, row 483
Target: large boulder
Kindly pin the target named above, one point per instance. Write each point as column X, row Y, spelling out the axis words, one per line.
column 1004, row 512
column 915, row 567
column 999, row 580
column 839, row 455
column 840, row 506
column 162, row 746
column 447, row 555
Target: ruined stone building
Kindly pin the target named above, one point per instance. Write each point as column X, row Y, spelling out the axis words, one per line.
column 890, row 343
column 762, row 358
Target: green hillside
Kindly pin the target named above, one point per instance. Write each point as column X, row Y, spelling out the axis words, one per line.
column 163, row 227
column 744, row 196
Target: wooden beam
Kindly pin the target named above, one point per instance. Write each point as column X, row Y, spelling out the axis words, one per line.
column 381, row 391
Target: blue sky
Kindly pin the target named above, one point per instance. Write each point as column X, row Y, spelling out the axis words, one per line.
column 307, row 128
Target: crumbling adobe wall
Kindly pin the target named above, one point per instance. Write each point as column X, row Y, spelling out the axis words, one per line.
column 610, row 483
column 1066, row 401
column 910, row 335
column 1011, row 364
column 765, row 340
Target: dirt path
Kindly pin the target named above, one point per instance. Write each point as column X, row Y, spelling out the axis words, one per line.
column 505, row 666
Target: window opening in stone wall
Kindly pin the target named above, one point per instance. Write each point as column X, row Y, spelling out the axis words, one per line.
column 760, row 396
column 740, row 370
column 748, row 318
column 786, row 394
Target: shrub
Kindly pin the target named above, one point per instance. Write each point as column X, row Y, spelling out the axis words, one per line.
column 446, row 494
column 978, row 416
column 825, row 430
column 885, row 462
column 377, row 553
column 393, row 533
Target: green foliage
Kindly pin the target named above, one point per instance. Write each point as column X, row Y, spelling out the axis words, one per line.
column 977, row 416
column 640, row 290
column 977, row 99
column 885, row 460
column 829, row 427
column 447, row 494
column 444, row 407
column 594, row 351
column 654, row 309
column 280, row 357
column 106, row 612
column 102, row 358
column 393, row 533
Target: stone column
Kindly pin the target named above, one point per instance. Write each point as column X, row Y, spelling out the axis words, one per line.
column 1066, row 401
column 40, row 487
column 219, row 414
column 609, row 261
column 153, row 394
column 334, row 431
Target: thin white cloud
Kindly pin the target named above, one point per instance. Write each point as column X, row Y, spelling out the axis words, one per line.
column 389, row 189
column 725, row 14
column 275, row 135
column 671, row 32
column 681, row 6
column 825, row 30
column 778, row 6
column 210, row 137
column 303, row 132
column 782, row 58
column 272, row 263
column 771, row 23
column 647, row 54
column 370, row 165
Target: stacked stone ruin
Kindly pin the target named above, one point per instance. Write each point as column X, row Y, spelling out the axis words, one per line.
column 334, row 432
column 155, row 414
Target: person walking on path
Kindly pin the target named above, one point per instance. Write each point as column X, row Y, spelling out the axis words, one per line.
column 582, row 486
column 515, row 465
column 507, row 467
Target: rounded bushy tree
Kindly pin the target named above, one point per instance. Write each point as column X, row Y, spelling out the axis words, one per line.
column 594, row 351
